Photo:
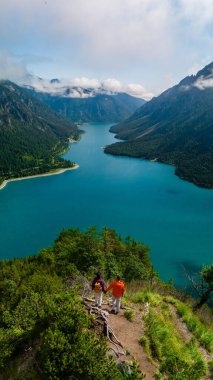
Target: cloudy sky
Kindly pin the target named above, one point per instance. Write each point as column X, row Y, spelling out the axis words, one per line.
column 148, row 45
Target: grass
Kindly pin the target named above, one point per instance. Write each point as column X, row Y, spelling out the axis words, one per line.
column 145, row 343
column 129, row 314
column 145, row 297
column 211, row 368
column 178, row 360
column 201, row 331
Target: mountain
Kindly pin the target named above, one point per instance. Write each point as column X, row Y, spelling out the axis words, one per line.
column 99, row 108
column 81, row 104
column 176, row 128
column 31, row 135
column 51, row 328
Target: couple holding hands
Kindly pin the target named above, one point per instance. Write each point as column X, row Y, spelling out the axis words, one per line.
column 117, row 288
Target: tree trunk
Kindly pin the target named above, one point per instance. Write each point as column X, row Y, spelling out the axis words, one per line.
column 204, row 298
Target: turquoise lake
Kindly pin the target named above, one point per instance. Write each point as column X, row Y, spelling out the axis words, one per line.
column 138, row 198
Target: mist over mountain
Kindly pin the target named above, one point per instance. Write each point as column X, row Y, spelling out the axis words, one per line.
column 176, row 128
column 82, row 87
column 85, row 100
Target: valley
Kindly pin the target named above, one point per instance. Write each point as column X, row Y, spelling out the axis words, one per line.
column 136, row 197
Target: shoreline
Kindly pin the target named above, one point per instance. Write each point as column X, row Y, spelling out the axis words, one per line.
column 156, row 160
column 58, row 171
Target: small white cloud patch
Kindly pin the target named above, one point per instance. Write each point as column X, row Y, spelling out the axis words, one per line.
column 203, row 83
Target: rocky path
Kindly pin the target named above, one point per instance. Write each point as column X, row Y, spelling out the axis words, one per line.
column 129, row 333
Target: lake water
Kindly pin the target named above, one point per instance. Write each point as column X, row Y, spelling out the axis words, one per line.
column 138, row 198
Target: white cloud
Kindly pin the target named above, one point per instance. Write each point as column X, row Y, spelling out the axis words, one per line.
column 132, row 40
column 203, row 83
column 13, row 69
column 102, row 32
column 112, row 85
column 133, row 89
column 138, row 91
column 198, row 12
column 75, row 87
column 84, row 82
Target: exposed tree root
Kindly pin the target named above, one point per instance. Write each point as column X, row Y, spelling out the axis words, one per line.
column 101, row 320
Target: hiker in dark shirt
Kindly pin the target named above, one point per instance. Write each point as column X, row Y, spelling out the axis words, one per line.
column 98, row 288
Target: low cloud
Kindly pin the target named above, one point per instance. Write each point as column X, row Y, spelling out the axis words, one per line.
column 84, row 82
column 133, row 89
column 75, row 88
column 204, row 83
column 15, row 70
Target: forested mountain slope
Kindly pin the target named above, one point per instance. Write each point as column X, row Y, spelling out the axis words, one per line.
column 31, row 135
column 89, row 108
column 175, row 128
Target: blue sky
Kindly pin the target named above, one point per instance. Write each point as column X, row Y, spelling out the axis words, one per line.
column 153, row 43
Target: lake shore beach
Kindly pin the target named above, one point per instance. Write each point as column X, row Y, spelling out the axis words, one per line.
column 59, row 171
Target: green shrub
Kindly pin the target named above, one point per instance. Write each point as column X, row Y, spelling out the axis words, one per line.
column 134, row 268
column 72, row 351
column 9, row 340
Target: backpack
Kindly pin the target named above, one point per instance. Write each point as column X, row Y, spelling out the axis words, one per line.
column 97, row 287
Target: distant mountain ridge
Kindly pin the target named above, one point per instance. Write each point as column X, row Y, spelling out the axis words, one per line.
column 176, row 128
column 31, row 135
column 84, row 104
column 99, row 108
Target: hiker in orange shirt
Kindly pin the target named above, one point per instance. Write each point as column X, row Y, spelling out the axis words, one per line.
column 118, row 289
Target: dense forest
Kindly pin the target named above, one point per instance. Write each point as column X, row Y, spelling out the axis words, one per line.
column 176, row 128
column 46, row 333
column 31, row 135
